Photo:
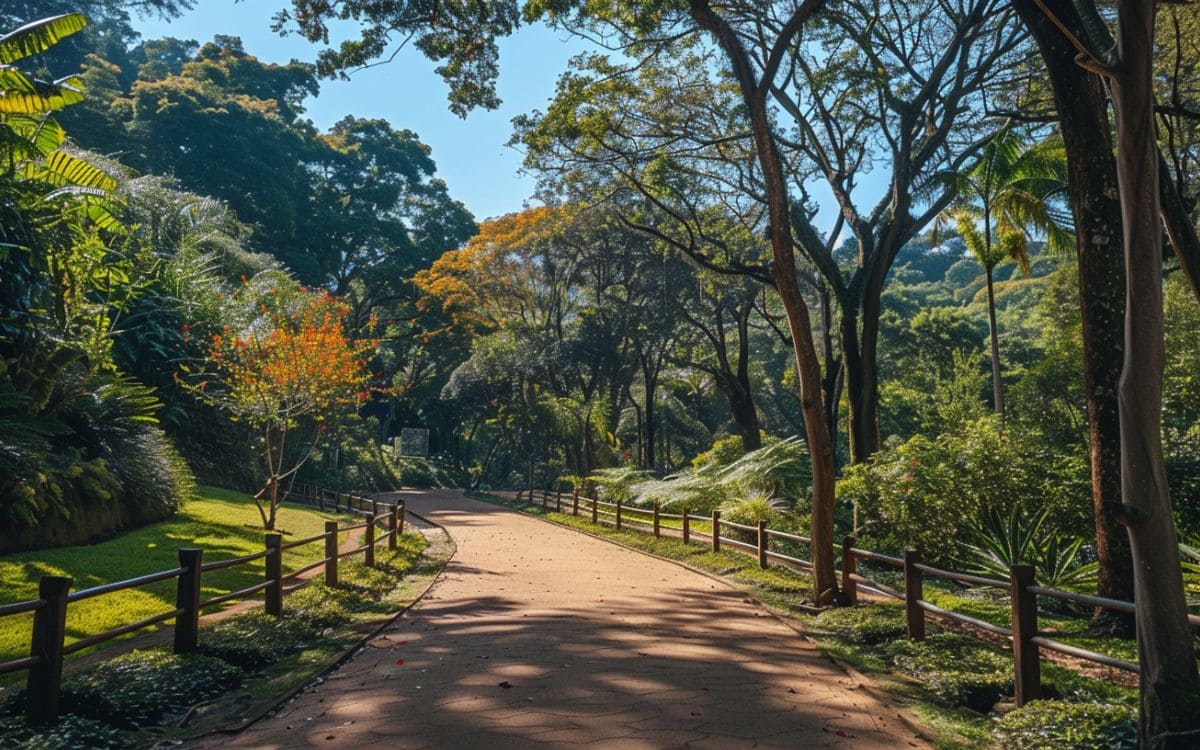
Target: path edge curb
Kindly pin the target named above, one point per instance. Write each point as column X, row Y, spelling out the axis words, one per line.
column 345, row 655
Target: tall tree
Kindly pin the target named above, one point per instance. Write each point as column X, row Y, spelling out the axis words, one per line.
column 720, row 312
column 1008, row 190
column 1081, row 102
column 1170, row 683
column 829, row 122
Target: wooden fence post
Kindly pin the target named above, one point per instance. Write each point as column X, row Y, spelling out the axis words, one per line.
column 716, row 531
column 657, row 532
column 274, row 573
column 558, row 500
column 369, row 556
column 687, row 527
column 320, row 499
column 374, row 507
column 762, row 544
column 575, row 502
column 913, row 587
column 1026, row 661
column 618, row 514
column 595, row 512
column 187, row 598
column 849, row 570
column 331, row 553
column 392, row 526
column 49, row 633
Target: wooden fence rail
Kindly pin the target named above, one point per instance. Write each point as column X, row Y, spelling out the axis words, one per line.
column 47, row 641
column 1026, row 639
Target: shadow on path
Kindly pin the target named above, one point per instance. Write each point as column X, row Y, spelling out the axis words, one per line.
column 537, row 635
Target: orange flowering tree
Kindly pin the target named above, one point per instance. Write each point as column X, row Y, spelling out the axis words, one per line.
column 493, row 278
column 288, row 375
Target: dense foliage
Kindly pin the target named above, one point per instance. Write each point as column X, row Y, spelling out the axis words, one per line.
column 774, row 245
column 123, row 296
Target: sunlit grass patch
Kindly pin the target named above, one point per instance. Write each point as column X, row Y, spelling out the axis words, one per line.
column 224, row 523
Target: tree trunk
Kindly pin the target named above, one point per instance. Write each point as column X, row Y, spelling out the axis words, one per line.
column 860, row 367
column 783, row 273
column 852, row 367
column 832, row 378
column 1170, row 685
column 1180, row 229
column 273, row 499
column 741, row 394
column 868, row 402
column 993, row 336
column 649, row 428
column 745, row 415
column 1082, row 103
column 639, row 459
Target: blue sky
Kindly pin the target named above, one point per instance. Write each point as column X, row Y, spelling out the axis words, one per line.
column 470, row 154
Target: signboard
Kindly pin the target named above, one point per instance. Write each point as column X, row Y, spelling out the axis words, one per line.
column 413, row 441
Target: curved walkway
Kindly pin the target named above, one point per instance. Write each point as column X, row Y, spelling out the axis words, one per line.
column 538, row 635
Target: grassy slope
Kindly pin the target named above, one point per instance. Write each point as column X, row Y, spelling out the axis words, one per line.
column 225, row 524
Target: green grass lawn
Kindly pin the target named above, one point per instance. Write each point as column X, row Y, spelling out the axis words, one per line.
column 224, row 523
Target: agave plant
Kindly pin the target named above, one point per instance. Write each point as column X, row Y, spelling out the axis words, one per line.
column 1001, row 540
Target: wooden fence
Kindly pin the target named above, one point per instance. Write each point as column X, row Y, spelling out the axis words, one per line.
column 47, row 642
column 1026, row 639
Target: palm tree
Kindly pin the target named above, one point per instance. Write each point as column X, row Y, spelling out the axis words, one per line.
column 1002, row 198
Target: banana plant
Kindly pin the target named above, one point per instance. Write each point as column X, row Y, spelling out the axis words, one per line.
column 33, row 146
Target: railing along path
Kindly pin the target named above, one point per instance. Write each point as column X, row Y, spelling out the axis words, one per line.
column 1026, row 639
column 48, row 645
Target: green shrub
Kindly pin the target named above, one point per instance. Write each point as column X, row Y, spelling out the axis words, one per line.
column 751, row 509
column 319, row 606
column 929, row 489
column 1058, row 725
column 87, row 462
column 957, row 669
column 359, row 588
column 724, row 451
column 613, row 485
column 69, row 732
column 118, row 420
column 143, row 687
column 254, row 639
column 778, row 471
column 371, row 583
column 865, row 623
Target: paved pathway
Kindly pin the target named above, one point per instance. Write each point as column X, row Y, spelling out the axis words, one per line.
column 536, row 635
